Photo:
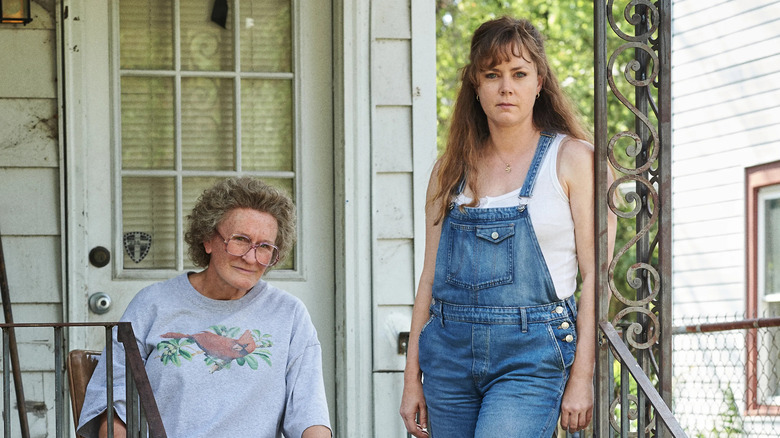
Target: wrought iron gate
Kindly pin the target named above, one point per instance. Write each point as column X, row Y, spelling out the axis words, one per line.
column 634, row 400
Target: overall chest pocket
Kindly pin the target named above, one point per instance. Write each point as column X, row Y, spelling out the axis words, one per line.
column 479, row 257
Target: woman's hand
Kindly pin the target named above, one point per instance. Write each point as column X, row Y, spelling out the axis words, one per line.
column 577, row 404
column 413, row 409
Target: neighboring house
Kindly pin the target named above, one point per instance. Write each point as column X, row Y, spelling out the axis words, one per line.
column 726, row 196
column 114, row 118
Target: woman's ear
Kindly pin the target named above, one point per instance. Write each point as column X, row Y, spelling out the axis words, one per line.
column 207, row 245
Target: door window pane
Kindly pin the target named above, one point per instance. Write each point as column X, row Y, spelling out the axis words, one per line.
column 207, row 124
column 266, row 36
column 205, row 46
column 147, row 123
column 148, row 223
column 146, row 34
column 267, row 128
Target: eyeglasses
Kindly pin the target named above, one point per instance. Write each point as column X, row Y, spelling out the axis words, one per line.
column 238, row 245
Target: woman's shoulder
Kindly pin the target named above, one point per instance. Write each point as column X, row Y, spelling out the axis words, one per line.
column 153, row 294
column 574, row 145
column 574, row 153
column 165, row 286
column 575, row 162
column 281, row 299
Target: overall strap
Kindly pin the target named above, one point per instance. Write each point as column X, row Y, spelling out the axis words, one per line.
column 545, row 140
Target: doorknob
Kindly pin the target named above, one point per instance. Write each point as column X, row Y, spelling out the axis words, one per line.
column 99, row 302
column 99, row 256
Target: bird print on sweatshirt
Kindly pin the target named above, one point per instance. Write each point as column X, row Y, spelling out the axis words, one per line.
column 221, row 346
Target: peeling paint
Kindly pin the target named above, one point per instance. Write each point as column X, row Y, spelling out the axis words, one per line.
column 36, row 408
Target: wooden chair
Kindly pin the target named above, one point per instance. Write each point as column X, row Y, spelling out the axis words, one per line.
column 81, row 364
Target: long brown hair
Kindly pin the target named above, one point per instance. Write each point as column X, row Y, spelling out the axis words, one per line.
column 494, row 42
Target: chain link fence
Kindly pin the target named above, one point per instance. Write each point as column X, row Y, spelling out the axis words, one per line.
column 726, row 376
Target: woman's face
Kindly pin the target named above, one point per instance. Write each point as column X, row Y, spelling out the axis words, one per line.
column 507, row 92
column 239, row 273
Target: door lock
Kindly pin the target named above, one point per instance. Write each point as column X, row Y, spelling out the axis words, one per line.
column 99, row 256
column 99, row 303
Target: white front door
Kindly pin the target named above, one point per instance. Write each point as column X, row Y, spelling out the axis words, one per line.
column 159, row 103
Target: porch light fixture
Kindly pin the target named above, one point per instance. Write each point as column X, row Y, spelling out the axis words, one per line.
column 15, row 12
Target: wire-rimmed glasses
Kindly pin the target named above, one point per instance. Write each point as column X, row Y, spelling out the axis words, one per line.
column 238, row 245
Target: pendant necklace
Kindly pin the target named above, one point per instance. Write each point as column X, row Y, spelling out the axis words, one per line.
column 508, row 165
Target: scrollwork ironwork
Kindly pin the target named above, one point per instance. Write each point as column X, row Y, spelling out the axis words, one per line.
column 634, row 19
column 637, row 165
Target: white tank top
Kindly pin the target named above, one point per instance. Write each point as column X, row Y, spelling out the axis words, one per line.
column 551, row 218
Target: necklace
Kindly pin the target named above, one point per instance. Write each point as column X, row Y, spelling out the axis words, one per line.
column 507, row 164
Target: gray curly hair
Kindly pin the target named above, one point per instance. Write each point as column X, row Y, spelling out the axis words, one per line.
column 238, row 192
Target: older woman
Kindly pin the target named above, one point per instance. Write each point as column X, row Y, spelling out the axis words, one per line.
column 227, row 354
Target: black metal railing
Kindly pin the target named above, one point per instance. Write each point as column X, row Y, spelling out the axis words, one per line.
column 143, row 416
column 629, row 366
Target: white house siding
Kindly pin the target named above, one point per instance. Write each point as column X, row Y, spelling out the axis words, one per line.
column 403, row 139
column 30, row 222
column 725, row 71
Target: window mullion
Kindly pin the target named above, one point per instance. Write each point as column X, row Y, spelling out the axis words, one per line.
column 177, row 136
column 237, row 84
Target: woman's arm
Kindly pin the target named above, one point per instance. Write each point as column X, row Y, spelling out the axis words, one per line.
column 413, row 409
column 576, row 173
column 316, row 432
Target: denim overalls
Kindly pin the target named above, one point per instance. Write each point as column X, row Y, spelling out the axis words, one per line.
column 496, row 351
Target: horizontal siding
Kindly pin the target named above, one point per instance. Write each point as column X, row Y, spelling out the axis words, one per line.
column 714, row 228
column 39, row 391
column 726, row 97
column 745, row 106
column 392, row 158
column 29, row 128
column 743, row 154
column 30, row 222
column 688, row 96
column 709, row 245
column 22, row 254
column 728, row 309
column 692, row 262
column 32, row 73
column 696, row 22
column 705, row 293
column 31, row 204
